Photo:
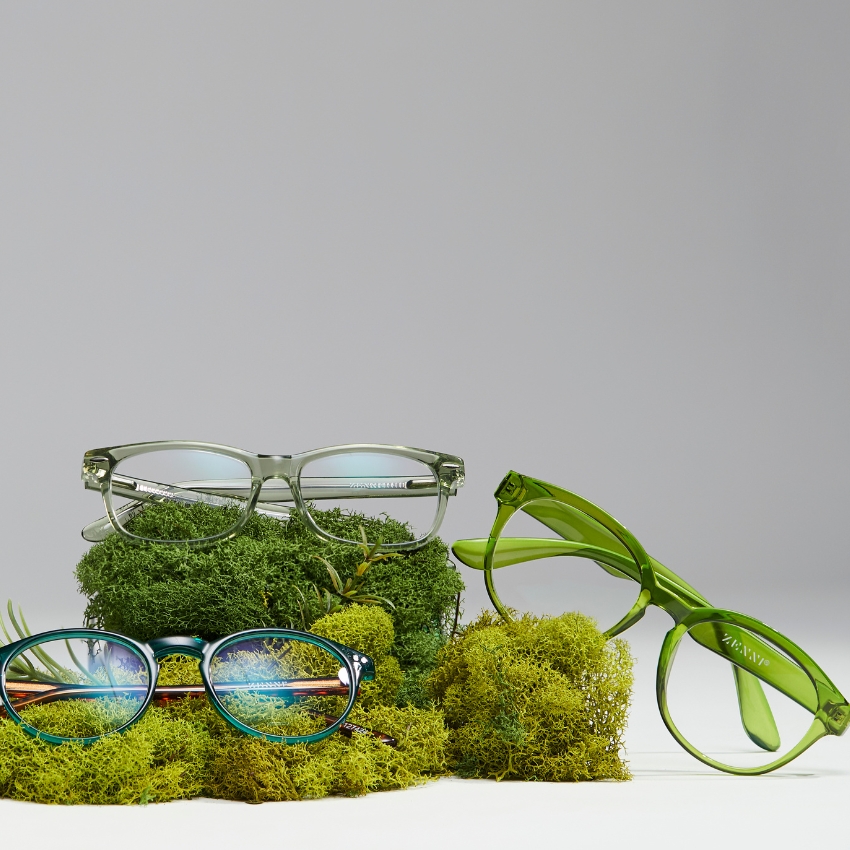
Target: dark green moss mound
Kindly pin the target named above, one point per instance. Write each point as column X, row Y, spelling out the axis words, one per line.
column 535, row 699
column 184, row 749
column 266, row 576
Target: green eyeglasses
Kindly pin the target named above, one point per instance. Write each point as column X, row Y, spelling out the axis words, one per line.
column 737, row 695
column 412, row 485
column 279, row 684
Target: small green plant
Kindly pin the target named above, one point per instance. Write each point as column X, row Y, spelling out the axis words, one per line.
column 22, row 668
column 353, row 588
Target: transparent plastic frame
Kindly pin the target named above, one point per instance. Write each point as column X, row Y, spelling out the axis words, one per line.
column 788, row 669
column 99, row 465
column 359, row 668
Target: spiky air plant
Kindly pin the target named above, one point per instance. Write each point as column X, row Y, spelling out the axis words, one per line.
column 23, row 669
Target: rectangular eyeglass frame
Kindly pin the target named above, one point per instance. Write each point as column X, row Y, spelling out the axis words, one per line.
column 274, row 479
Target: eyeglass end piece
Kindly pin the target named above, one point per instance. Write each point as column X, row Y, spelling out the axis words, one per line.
column 98, row 530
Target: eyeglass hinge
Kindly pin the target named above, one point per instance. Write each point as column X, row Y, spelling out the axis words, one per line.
column 838, row 714
column 453, row 475
column 511, row 488
column 95, row 470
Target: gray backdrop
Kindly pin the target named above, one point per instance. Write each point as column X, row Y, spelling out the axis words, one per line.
column 605, row 244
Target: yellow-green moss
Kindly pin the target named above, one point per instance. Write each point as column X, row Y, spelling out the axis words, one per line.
column 163, row 757
column 256, row 771
column 371, row 631
column 536, row 699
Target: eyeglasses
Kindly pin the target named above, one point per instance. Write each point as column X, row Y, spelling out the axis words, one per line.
column 278, row 684
column 737, row 695
column 373, row 480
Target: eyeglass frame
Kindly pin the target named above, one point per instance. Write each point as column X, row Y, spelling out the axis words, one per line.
column 359, row 668
column 99, row 465
column 661, row 587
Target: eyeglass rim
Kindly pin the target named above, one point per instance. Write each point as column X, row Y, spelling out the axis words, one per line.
column 99, row 465
column 831, row 717
column 204, row 651
column 517, row 490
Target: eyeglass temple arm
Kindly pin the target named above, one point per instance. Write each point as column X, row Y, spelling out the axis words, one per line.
column 516, row 550
column 40, row 693
column 767, row 664
column 277, row 490
column 225, row 493
column 756, row 716
column 142, row 492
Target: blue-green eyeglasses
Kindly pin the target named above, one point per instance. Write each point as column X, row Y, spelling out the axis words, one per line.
column 279, row 684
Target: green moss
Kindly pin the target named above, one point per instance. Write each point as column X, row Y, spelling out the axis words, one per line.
column 537, row 699
column 266, row 576
column 371, row 631
column 256, row 771
column 184, row 749
column 161, row 758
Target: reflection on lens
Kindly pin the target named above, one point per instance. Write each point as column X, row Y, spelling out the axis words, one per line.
column 375, row 485
column 77, row 688
column 552, row 578
column 195, row 494
column 736, row 697
column 280, row 686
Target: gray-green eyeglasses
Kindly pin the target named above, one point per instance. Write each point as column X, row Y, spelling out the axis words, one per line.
column 735, row 693
column 412, row 485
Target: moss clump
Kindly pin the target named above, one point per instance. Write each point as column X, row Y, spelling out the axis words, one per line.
column 535, row 699
column 371, row 631
column 266, row 576
column 255, row 771
column 163, row 757
column 184, row 749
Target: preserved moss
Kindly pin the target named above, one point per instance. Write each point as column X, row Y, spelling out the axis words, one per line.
column 267, row 576
column 370, row 630
column 534, row 699
column 184, row 749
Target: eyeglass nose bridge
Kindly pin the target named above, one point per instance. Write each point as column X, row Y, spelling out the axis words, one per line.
column 274, row 466
column 180, row 645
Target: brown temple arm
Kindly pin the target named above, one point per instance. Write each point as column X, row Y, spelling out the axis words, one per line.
column 25, row 694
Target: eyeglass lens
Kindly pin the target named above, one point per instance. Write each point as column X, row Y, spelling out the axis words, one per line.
column 209, row 492
column 77, row 688
column 280, row 685
column 373, row 484
column 703, row 690
column 553, row 585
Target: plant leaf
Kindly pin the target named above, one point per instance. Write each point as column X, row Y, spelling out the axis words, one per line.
column 335, row 579
column 21, row 633
column 373, row 600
